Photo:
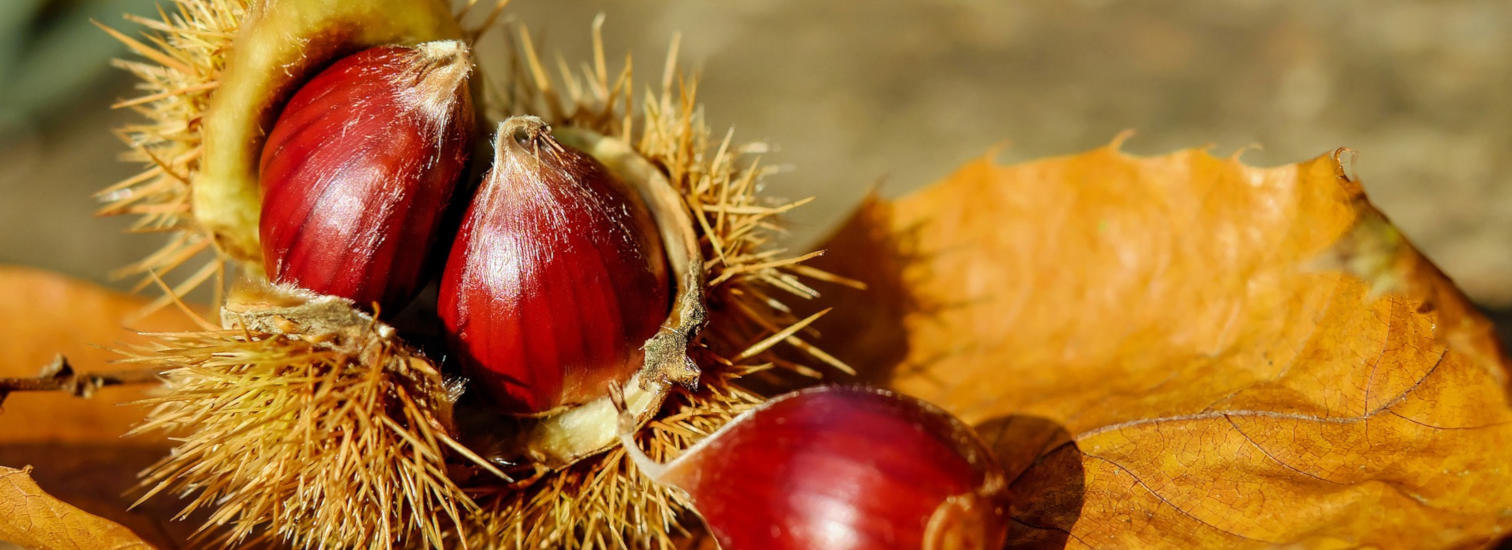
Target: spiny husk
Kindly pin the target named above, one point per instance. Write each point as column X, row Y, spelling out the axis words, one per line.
column 603, row 501
column 342, row 441
column 184, row 54
column 721, row 182
column 326, row 440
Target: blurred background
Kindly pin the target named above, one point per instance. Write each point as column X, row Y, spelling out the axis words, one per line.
column 895, row 94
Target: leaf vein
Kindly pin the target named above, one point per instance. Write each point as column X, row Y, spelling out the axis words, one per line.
column 1173, row 505
column 1214, row 415
column 1273, row 457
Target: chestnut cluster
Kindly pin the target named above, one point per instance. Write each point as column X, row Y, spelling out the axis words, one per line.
column 554, row 278
column 555, row 285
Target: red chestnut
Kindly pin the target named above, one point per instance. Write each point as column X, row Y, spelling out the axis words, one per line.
column 841, row 468
column 556, row 279
column 359, row 169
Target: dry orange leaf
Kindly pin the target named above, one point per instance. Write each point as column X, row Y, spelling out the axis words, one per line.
column 1184, row 351
column 73, row 446
column 32, row 519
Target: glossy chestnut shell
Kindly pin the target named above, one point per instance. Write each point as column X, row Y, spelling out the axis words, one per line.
column 360, row 168
column 556, row 278
column 843, row 468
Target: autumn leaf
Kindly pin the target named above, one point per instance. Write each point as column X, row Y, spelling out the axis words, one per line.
column 32, row 519
column 1184, row 351
column 73, row 446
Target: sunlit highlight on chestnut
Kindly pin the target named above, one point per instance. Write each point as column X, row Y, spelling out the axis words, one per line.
column 841, row 468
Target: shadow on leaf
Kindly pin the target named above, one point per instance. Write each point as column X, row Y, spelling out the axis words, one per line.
column 1047, row 484
column 866, row 329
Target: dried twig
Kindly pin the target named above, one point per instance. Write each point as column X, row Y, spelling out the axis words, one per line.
column 59, row 375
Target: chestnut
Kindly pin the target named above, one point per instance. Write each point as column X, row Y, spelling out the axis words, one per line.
column 840, row 468
column 556, row 278
column 360, row 168
column 256, row 54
